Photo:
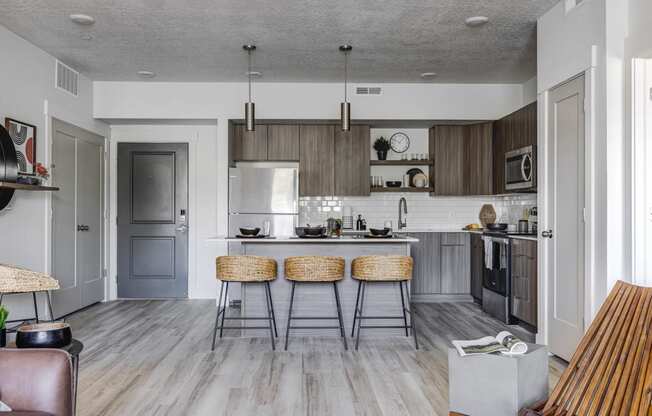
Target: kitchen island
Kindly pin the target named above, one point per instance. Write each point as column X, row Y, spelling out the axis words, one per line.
column 317, row 299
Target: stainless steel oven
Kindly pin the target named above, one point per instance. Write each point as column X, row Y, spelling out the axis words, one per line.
column 520, row 170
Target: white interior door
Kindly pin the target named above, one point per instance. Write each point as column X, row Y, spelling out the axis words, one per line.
column 565, row 205
column 77, row 217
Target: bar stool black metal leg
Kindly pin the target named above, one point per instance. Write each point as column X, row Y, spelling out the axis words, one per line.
column 35, row 306
column 226, row 304
column 355, row 313
column 270, row 320
column 364, row 292
column 413, row 324
column 217, row 317
column 400, row 284
column 289, row 321
column 269, row 291
column 49, row 299
column 339, row 315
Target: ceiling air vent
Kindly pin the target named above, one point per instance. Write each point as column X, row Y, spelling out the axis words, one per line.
column 368, row 91
column 67, row 78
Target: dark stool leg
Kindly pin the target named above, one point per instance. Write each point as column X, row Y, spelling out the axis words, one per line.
column 226, row 304
column 270, row 320
column 49, row 298
column 339, row 314
column 35, row 306
column 217, row 317
column 269, row 291
column 400, row 284
column 355, row 313
column 412, row 321
column 289, row 321
column 364, row 292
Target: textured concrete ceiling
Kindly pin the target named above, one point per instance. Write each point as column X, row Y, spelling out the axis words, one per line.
column 200, row 40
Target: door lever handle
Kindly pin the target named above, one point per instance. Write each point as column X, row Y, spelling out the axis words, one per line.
column 182, row 228
column 546, row 234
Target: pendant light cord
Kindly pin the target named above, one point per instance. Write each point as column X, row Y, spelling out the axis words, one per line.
column 346, row 75
column 249, row 73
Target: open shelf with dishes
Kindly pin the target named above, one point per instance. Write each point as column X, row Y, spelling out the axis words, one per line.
column 400, row 189
column 401, row 162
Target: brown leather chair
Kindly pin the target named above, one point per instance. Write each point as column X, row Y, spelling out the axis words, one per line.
column 36, row 382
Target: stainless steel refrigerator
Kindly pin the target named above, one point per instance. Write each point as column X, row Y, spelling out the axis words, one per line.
column 257, row 194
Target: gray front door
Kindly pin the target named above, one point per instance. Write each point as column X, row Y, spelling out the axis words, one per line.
column 152, row 220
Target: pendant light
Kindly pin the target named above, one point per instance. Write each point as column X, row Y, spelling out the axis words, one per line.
column 345, row 107
column 250, row 107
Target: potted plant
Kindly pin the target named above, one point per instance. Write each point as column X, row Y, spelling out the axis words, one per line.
column 381, row 146
column 3, row 330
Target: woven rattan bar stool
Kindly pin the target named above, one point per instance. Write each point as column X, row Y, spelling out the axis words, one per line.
column 315, row 270
column 383, row 269
column 245, row 270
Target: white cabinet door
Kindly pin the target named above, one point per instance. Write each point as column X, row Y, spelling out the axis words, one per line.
column 565, row 274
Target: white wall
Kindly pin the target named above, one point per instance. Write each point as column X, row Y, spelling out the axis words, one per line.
column 152, row 100
column 530, row 91
column 202, row 195
column 600, row 38
column 28, row 94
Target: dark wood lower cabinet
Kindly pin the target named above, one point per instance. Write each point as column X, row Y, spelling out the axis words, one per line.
column 477, row 266
column 441, row 266
column 524, row 280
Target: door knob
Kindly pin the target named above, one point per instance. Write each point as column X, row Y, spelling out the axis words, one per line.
column 546, row 234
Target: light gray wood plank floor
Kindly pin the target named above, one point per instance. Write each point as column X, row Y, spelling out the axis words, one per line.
column 154, row 358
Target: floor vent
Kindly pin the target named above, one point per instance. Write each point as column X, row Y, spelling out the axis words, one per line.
column 368, row 91
column 67, row 78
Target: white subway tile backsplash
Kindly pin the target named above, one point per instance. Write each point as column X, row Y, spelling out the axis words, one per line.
column 423, row 211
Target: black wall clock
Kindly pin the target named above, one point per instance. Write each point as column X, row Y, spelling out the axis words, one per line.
column 400, row 142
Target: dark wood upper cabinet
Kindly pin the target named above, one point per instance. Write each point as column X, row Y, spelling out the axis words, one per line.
column 283, row 142
column 447, row 147
column 316, row 160
column 352, row 150
column 478, row 162
column 514, row 131
column 249, row 145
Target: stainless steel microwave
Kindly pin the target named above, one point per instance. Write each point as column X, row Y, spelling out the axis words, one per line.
column 521, row 170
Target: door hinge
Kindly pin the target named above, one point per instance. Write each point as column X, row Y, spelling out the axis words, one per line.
column 116, row 220
column 584, row 214
column 105, row 273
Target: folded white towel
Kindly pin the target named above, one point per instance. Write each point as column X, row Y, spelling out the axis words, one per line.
column 488, row 252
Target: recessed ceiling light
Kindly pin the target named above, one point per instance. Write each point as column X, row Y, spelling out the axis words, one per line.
column 146, row 74
column 86, row 36
column 254, row 74
column 82, row 19
column 428, row 75
column 476, row 21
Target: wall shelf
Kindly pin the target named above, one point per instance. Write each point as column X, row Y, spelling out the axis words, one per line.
column 411, row 189
column 26, row 187
column 401, row 162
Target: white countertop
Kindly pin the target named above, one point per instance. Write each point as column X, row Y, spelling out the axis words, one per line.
column 447, row 230
column 340, row 240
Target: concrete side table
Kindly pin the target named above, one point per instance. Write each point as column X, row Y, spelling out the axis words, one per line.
column 496, row 384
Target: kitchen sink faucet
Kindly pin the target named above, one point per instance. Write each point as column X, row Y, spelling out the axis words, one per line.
column 402, row 222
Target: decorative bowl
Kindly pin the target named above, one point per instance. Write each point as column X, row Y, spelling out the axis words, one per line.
column 314, row 230
column 379, row 231
column 497, row 226
column 249, row 231
column 46, row 335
